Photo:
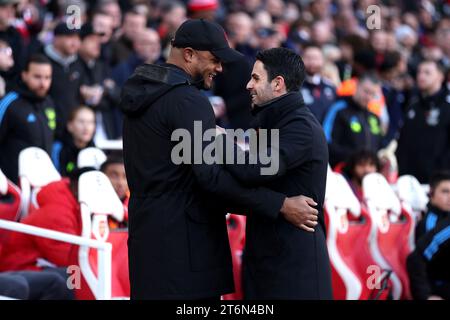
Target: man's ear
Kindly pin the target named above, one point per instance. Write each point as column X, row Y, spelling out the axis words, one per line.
column 23, row 75
column 279, row 84
column 188, row 54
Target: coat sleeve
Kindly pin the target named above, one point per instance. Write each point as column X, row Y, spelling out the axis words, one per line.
column 427, row 247
column 290, row 149
column 194, row 117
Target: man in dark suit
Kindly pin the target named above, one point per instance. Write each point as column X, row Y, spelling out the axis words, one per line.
column 281, row 261
column 178, row 244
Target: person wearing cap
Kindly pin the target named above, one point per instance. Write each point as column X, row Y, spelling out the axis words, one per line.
column 67, row 72
column 98, row 90
column 178, row 243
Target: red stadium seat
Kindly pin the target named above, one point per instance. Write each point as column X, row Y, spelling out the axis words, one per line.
column 120, row 285
column 9, row 204
column 35, row 171
column 392, row 231
column 99, row 200
column 236, row 235
column 348, row 233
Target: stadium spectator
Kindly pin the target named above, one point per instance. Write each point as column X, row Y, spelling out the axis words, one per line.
column 59, row 210
column 173, row 14
column 147, row 50
column 133, row 23
column 98, row 90
column 427, row 119
column 114, row 169
column 318, row 93
column 392, row 67
column 112, row 9
column 439, row 206
column 429, row 263
column 357, row 167
column 10, row 35
column 67, row 72
column 27, row 115
column 103, row 26
column 349, row 126
column 6, row 63
column 81, row 129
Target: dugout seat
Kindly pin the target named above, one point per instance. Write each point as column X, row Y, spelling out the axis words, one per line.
column 391, row 233
column 98, row 200
column 348, row 233
column 236, row 235
column 35, row 171
column 9, row 204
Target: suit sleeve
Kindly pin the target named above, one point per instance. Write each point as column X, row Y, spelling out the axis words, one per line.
column 194, row 116
column 290, row 148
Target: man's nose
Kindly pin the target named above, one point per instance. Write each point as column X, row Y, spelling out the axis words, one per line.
column 249, row 85
column 219, row 67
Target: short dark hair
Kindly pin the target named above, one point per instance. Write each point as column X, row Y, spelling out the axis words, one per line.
column 391, row 60
column 168, row 6
column 437, row 177
column 38, row 59
column 285, row 63
column 439, row 65
column 113, row 158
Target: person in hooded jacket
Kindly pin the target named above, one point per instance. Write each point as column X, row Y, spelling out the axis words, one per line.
column 178, row 243
column 27, row 115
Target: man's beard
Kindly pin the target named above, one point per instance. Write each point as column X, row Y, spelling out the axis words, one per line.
column 199, row 82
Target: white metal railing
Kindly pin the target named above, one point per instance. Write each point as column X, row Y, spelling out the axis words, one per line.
column 101, row 288
column 109, row 144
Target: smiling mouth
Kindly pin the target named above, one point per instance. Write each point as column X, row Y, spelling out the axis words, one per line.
column 211, row 76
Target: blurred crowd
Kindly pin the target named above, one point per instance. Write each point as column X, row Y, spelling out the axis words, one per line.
column 376, row 70
column 378, row 73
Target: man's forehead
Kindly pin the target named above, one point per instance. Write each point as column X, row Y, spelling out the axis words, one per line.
column 259, row 69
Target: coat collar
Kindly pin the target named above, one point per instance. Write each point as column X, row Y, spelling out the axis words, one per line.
column 271, row 111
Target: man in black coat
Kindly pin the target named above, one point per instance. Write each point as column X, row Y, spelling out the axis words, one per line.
column 67, row 73
column 281, row 261
column 27, row 115
column 424, row 143
column 178, row 243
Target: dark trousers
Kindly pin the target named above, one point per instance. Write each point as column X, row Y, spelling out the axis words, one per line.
column 35, row 285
